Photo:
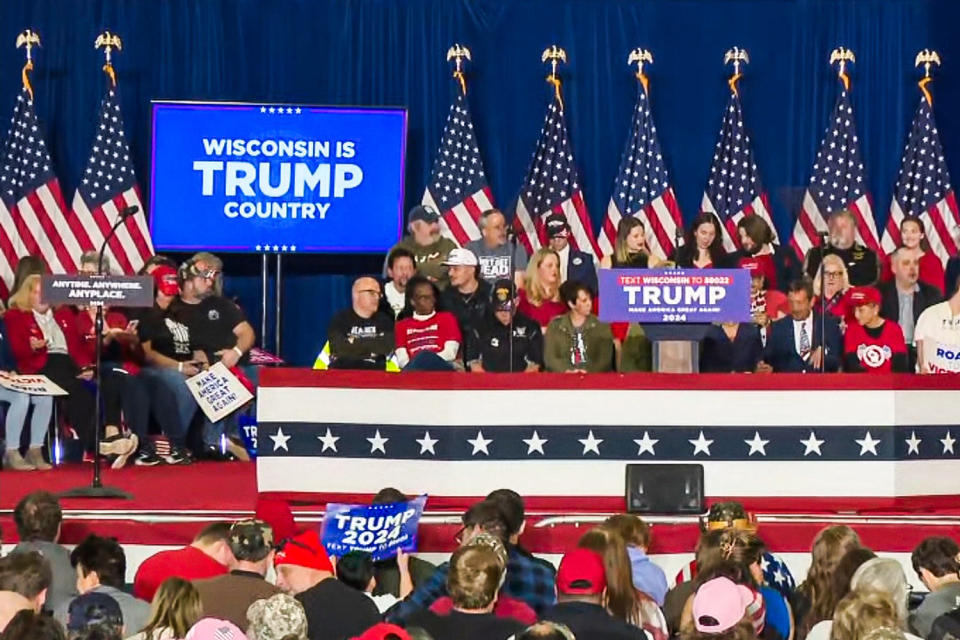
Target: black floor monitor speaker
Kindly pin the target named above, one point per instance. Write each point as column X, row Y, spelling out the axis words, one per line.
column 665, row 488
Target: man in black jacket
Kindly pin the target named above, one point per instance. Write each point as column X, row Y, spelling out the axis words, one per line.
column 361, row 337
column 467, row 297
column 581, row 590
column 905, row 297
column 505, row 340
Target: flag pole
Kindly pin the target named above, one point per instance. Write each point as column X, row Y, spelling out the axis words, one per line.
column 554, row 55
column 737, row 56
column 28, row 39
column 639, row 56
column 96, row 489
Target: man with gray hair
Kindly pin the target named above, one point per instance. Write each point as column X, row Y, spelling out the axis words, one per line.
column 498, row 257
column 862, row 264
column 428, row 247
column 906, row 297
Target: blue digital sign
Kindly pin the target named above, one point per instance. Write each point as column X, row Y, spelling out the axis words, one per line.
column 235, row 177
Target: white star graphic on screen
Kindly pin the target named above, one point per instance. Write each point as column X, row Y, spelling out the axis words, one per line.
column 377, row 443
column 329, row 441
column 426, row 443
column 646, row 444
column 757, row 444
column 590, row 443
column 280, row 440
column 812, row 445
column 868, row 444
column 701, row 444
column 948, row 443
column 535, row 443
column 480, row 444
column 913, row 443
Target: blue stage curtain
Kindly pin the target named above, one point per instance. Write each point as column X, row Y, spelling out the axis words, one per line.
column 391, row 52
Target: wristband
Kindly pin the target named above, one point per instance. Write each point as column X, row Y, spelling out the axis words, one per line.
column 239, row 351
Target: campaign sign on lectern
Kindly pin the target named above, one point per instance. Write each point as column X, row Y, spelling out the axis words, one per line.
column 675, row 307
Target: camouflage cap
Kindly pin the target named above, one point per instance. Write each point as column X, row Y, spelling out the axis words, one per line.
column 729, row 515
column 251, row 540
column 491, row 541
column 279, row 616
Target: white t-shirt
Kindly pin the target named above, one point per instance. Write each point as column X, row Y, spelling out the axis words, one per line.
column 396, row 299
column 938, row 326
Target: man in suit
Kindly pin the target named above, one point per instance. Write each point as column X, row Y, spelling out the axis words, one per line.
column 905, row 297
column 794, row 343
column 574, row 265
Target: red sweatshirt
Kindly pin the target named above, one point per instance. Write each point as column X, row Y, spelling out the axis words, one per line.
column 875, row 353
column 427, row 335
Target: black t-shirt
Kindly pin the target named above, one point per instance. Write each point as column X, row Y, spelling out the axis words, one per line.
column 336, row 611
column 490, row 343
column 167, row 336
column 210, row 322
column 465, row 626
column 862, row 266
column 353, row 338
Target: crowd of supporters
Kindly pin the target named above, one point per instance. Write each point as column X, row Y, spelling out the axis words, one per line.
column 265, row 579
column 487, row 308
column 147, row 354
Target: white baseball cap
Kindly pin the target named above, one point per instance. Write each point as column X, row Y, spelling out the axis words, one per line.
column 461, row 258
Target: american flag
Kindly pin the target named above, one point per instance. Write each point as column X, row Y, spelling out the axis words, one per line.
column 734, row 189
column 109, row 186
column 32, row 219
column 552, row 186
column 923, row 189
column 838, row 182
column 458, row 187
column 642, row 188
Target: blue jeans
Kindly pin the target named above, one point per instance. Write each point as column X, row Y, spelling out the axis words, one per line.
column 169, row 383
column 17, row 416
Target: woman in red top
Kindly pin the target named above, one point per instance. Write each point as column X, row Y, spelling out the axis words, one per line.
column 428, row 340
column 540, row 297
column 913, row 235
column 47, row 342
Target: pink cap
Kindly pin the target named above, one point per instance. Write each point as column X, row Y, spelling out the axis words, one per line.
column 719, row 605
column 214, row 629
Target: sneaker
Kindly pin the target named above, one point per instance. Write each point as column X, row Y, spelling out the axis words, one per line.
column 13, row 461
column 177, row 456
column 147, row 458
column 118, row 445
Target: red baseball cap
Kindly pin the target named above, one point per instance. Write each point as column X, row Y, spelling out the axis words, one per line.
column 859, row 296
column 304, row 550
column 383, row 630
column 581, row 573
column 165, row 279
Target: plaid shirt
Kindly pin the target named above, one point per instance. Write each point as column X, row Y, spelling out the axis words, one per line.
column 528, row 578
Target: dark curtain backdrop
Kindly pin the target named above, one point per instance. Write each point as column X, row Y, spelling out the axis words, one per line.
column 391, row 52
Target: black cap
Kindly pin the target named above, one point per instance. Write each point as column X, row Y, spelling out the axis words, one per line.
column 503, row 294
column 423, row 212
column 94, row 608
column 555, row 224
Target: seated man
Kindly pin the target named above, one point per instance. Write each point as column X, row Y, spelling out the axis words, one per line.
column 473, row 581
column 498, row 258
column 863, row 267
column 430, row 339
column 938, row 336
column 428, row 247
column 574, row 264
column 28, row 574
column 467, row 297
column 361, row 337
column 872, row 344
column 794, row 344
column 905, row 297
column 38, row 517
column 506, row 340
column 935, row 561
column 400, row 269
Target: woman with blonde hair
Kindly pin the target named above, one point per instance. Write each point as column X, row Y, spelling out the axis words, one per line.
column 540, row 297
column 833, row 287
column 631, row 250
column 176, row 607
column 867, row 614
column 624, row 601
column 814, row 597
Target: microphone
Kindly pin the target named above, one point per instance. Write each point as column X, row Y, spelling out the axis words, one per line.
column 824, row 237
column 129, row 212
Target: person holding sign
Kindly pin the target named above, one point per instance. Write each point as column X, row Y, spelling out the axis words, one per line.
column 18, row 406
column 47, row 342
column 938, row 336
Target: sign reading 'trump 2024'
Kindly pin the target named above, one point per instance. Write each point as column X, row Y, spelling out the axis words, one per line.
column 238, row 177
column 674, row 295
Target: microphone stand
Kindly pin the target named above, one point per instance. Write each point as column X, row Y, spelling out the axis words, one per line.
column 512, row 240
column 96, row 488
column 823, row 305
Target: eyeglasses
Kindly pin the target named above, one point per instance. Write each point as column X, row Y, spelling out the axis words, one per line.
column 374, row 292
column 833, row 274
column 209, row 274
